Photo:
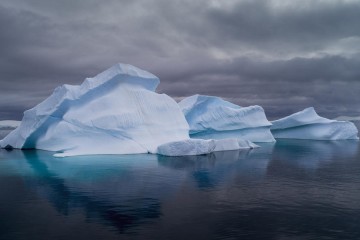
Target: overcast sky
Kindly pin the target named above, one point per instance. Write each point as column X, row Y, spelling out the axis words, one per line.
column 284, row 55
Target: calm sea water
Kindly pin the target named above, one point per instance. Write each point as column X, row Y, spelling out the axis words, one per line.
column 288, row 190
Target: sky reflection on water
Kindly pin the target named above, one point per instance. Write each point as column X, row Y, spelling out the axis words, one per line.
column 294, row 189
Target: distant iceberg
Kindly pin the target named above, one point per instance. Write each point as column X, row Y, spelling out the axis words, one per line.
column 307, row 124
column 116, row 112
column 214, row 118
column 9, row 124
column 6, row 126
column 348, row 118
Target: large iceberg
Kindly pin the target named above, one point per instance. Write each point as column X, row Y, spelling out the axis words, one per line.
column 116, row 112
column 119, row 112
column 214, row 118
column 307, row 124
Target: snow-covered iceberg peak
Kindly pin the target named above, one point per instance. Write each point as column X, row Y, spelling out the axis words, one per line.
column 307, row 124
column 214, row 118
column 115, row 112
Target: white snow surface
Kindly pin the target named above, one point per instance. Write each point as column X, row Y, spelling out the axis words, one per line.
column 9, row 124
column 115, row 112
column 211, row 117
column 307, row 124
column 202, row 146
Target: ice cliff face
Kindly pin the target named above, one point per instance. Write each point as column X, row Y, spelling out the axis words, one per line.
column 214, row 118
column 116, row 112
column 307, row 124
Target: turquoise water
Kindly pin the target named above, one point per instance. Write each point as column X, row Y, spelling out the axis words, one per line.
column 288, row 190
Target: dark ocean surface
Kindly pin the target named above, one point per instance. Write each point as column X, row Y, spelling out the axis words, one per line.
column 293, row 189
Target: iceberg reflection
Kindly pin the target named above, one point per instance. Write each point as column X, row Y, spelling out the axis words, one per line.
column 292, row 185
column 310, row 154
column 216, row 168
column 107, row 189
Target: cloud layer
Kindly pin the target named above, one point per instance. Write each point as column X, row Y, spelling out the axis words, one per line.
column 283, row 55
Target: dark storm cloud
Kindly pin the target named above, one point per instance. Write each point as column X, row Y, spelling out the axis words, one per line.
column 281, row 86
column 298, row 27
column 283, row 55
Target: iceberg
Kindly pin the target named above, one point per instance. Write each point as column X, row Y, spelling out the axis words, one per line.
column 6, row 126
column 119, row 112
column 201, row 146
column 187, row 147
column 348, row 118
column 9, row 124
column 214, row 118
column 307, row 124
column 115, row 112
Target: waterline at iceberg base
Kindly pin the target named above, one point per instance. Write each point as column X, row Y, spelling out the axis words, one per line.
column 119, row 112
